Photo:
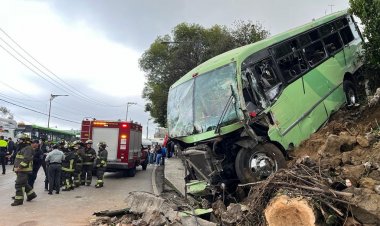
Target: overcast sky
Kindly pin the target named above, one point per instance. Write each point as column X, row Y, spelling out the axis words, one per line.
column 93, row 47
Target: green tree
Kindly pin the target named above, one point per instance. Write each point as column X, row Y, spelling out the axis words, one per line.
column 172, row 56
column 369, row 13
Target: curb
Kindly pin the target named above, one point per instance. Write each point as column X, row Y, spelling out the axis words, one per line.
column 154, row 185
column 167, row 182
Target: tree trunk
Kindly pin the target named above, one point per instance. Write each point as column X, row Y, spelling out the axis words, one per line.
column 283, row 210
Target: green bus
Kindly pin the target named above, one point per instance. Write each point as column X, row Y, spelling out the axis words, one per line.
column 39, row 132
column 235, row 116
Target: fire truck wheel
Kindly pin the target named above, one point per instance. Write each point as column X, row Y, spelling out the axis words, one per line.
column 258, row 163
column 131, row 172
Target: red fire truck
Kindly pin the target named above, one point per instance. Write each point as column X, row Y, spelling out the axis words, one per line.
column 123, row 140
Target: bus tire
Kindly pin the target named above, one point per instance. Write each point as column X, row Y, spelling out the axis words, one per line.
column 350, row 92
column 258, row 163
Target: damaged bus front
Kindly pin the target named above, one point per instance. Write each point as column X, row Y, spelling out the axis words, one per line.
column 234, row 117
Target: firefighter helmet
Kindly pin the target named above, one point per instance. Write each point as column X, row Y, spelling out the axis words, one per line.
column 102, row 144
column 89, row 142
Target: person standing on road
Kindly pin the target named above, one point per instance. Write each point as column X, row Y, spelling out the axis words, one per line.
column 88, row 163
column 11, row 149
column 101, row 163
column 54, row 160
column 37, row 162
column 3, row 152
column 22, row 167
column 68, row 167
column 44, row 149
column 159, row 155
column 79, row 153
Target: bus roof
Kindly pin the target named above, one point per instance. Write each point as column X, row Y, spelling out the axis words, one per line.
column 53, row 130
column 241, row 53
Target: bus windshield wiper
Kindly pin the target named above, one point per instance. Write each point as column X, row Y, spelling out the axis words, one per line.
column 224, row 112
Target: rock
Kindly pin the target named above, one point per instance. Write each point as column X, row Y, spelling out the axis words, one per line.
column 377, row 189
column 233, row 215
column 331, row 162
column 353, row 173
column 332, row 145
column 369, row 183
column 218, row 207
column 371, row 138
column 156, row 219
column 306, row 160
column 141, row 202
column 346, row 158
column 335, row 144
column 366, row 208
column 362, row 141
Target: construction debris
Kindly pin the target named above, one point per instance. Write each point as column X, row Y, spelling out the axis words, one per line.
column 334, row 179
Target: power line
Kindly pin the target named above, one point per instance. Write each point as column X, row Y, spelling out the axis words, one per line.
column 18, row 91
column 33, row 110
column 71, row 89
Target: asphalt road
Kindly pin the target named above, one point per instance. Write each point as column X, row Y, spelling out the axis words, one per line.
column 72, row 207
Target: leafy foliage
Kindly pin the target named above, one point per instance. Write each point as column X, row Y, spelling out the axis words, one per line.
column 369, row 13
column 172, row 56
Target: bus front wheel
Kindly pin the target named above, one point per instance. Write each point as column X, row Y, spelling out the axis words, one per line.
column 350, row 92
column 258, row 163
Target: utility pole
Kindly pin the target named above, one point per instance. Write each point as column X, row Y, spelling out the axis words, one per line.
column 147, row 128
column 52, row 96
column 126, row 115
column 331, row 6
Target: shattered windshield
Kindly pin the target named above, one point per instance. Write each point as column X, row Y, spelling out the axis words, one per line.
column 197, row 105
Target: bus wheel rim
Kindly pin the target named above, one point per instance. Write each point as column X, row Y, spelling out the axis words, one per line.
column 262, row 166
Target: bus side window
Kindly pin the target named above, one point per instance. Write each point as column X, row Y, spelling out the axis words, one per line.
column 268, row 79
column 332, row 43
column 290, row 59
column 315, row 53
column 346, row 32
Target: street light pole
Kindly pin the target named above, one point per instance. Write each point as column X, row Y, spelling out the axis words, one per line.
column 147, row 127
column 52, row 96
column 129, row 103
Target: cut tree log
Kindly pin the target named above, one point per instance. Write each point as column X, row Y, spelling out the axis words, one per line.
column 283, row 210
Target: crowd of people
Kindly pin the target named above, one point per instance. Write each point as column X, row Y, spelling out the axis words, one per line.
column 158, row 153
column 65, row 165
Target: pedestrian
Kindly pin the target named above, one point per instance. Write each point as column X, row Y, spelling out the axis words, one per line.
column 88, row 163
column 37, row 162
column 54, row 161
column 163, row 153
column 44, row 148
column 101, row 164
column 159, row 155
column 68, row 167
column 151, row 154
column 3, row 152
column 22, row 167
column 11, row 150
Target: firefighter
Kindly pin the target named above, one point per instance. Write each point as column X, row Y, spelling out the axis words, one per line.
column 79, row 153
column 88, row 163
column 68, row 167
column 23, row 167
column 101, row 163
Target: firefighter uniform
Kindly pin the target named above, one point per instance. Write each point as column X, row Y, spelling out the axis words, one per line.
column 88, row 163
column 68, row 167
column 101, row 164
column 23, row 167
column 79, row 153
